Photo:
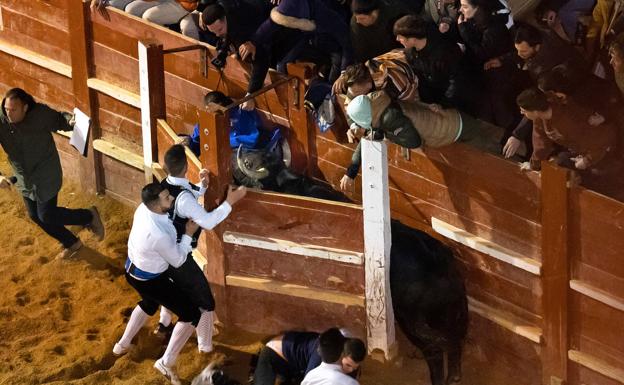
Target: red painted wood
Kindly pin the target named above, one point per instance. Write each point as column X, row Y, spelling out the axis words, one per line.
column 296, row 269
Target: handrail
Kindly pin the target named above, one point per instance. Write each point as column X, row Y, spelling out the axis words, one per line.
column 222, row 109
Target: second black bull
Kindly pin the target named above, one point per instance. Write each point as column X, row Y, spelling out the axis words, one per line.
column 428, row 293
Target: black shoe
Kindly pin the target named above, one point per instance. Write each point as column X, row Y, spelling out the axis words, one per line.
column 163, row 332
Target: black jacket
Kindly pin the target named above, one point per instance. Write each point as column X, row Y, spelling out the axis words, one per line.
column 243, row 19
column 439, row 71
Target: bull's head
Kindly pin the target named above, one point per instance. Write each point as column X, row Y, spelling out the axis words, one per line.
column 260, row 164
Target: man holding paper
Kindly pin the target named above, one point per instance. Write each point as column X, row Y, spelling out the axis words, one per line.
column 26, row 136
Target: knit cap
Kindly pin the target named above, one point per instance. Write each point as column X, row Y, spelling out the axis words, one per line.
column 360, row 111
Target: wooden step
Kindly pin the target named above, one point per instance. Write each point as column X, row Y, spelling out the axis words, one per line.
column 597, row 365
column 506, row 320
column 597, row 294
column 115, row 92
column 284, row 246
column 35, row 58
column 300, row 291
column 127, row 157
column 486, row 247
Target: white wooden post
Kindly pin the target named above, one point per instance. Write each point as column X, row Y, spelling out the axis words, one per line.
column 152, row 89
column 377, row 242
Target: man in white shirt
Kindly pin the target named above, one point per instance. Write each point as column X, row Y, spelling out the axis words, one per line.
column 186, row 207
column 153, row 250
column 331, row 350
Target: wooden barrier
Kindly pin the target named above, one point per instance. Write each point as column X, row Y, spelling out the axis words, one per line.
column 543, row 305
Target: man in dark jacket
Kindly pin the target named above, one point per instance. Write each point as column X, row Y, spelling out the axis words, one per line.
column 536, row 52
column 371, row 27
column 436, row 62
column 314, row 32
column 26, row 136
column 234, row 25
column 293, row 354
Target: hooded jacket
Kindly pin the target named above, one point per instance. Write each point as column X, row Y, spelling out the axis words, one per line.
column 32, row 152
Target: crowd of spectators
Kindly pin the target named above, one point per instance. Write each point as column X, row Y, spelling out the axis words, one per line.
column 553, row 82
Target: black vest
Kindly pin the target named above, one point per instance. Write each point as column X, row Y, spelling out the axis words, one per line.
column 178, row 222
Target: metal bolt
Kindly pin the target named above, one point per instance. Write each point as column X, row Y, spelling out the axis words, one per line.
column 206, row 147
column 206, row 131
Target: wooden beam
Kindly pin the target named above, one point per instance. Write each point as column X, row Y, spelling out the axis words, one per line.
column 152, row 89
column 35, row 58
column 299, row 291
column 506, row 320
column 118, row 153
column 115, row 92
column 597, row 365
column 158, row 170
column 555, row 272
column 301, row 130
column 284, row 246
column 597, row 294
column 377, row 243
column 91, row 170
column 162, row 124
column 486, row 247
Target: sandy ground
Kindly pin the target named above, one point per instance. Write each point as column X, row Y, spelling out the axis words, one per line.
column 60, row 318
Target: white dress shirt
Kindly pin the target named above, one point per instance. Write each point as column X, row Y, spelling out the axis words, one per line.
column 186, row 205
column 328, row 374
column 152, row 245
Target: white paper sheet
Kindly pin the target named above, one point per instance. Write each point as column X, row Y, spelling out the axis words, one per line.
column 81, row 131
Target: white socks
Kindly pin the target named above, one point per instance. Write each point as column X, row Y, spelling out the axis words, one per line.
column 181, row 333
column 136, row 322
column 165, row 316
column 204, row 332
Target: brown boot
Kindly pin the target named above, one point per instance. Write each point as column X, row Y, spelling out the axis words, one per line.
column 96, row 226
column 71, row 250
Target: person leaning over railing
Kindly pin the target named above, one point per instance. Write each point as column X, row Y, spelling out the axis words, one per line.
column 234, row 25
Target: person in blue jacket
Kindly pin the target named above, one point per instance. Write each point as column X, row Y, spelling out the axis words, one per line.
column 245, row 126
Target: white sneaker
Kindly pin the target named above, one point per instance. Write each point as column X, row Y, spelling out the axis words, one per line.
column 120, row 350
column 167, row 372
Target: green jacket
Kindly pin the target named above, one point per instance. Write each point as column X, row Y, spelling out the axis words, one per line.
column 32, row 151
column 391, row 123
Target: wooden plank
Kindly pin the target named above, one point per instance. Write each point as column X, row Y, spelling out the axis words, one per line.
column 123, row 182
column 284, row 246
column 596, row 365
column 508, row 321
column 555, row 271
column 599, row 279
column 192, row 158
column 36, row 58
column 486, row 247
column 258, row 312
column 306, row 271
column 298, row 291
column 118, row 153
column 596, row 228
column 90, row 168
column 377, row 245
column 34, row 28
column 54, row 15
column 579, row 374
column 597, row 294
column 592, row 320
column 115, row 92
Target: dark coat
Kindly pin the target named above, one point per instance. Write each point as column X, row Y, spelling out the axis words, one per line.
column 32, row 151
column 377, row 39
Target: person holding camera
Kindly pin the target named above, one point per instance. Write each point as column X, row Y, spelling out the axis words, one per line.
column 26, row 136
column 234, row 25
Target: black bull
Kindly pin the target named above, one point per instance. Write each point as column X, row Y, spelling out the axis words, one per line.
column 428, row 293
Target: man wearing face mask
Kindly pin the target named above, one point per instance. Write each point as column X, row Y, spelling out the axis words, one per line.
column 26, row 136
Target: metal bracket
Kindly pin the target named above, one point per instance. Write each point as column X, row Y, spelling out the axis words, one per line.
column 296, row 92
column 406, row 153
